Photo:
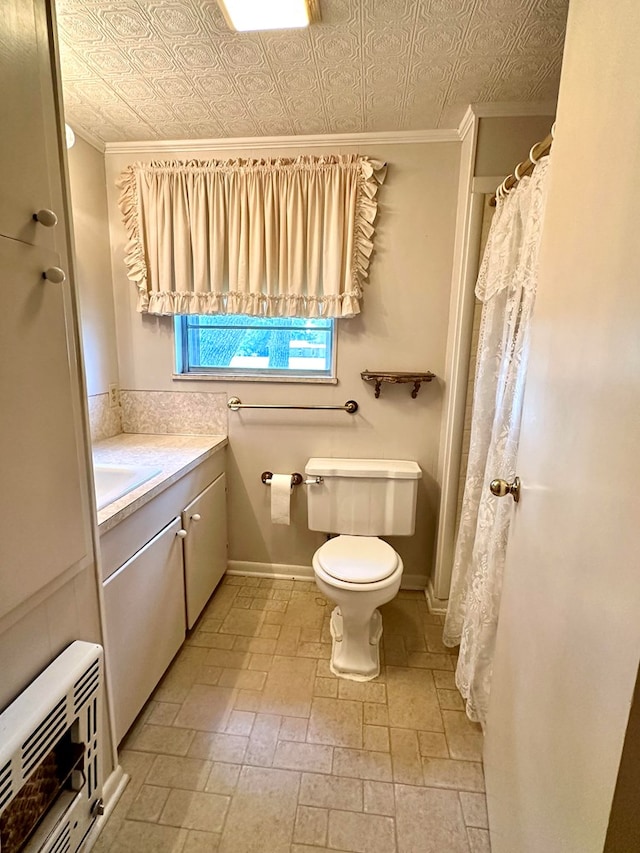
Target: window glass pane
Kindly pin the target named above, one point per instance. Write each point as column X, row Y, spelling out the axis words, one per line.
column 258, row 344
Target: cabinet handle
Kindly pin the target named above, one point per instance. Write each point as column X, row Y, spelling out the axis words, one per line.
column 181, row 533
column 46, row 217
column 54, row 274
column 196, row 516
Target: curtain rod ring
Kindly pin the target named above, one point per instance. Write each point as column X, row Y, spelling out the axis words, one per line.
column 535, row 160
column 553, row 130
column 517, row 174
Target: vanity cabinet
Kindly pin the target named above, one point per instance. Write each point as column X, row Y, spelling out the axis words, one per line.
column 144, row 605
column 160, row 566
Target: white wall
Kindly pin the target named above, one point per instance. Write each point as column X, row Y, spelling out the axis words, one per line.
column 93, row 265
column 403, row 326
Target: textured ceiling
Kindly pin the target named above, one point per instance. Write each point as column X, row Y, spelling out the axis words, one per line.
column 171, row 69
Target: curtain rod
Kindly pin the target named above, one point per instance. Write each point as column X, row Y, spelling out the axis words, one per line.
column 538, row 150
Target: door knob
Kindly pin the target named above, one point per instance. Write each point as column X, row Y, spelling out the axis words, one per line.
column 54, row 274
column 500, row 488
column 181, row 533
column 196, row 516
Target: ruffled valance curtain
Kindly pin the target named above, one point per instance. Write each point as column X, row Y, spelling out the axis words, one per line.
column 280, row 237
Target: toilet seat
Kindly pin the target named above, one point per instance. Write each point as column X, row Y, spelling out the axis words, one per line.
column 357, row 559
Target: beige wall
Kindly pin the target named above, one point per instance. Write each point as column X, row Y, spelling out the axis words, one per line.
column 504, row 141
column 403, row 326
column 93, row 265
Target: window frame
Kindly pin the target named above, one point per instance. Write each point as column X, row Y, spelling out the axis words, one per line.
column 184, row 371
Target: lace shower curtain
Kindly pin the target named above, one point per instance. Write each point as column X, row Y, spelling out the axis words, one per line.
column 274, row 238
column 506, row 286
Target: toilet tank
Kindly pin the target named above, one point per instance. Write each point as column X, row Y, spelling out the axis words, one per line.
column 363, row 497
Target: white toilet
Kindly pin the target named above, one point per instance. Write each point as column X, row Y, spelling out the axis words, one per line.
column 360, row 499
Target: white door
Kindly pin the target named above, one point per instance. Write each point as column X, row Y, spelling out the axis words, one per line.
column 568, row 640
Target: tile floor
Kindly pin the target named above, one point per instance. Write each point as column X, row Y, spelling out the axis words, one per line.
column 249, row 743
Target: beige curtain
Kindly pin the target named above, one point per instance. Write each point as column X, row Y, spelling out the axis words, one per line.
column 281, row 237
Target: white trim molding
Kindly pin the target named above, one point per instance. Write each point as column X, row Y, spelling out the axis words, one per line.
column 178, row 146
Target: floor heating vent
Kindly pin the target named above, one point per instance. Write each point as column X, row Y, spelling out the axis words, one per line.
column 51, row 756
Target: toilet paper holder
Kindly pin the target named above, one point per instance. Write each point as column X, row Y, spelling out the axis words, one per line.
column 296, row 479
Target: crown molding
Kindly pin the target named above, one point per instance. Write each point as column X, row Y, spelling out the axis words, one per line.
column 467, row 122
column 507, row 109
column 181, row 146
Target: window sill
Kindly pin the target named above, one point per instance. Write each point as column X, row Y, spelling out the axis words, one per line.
column 234, row 377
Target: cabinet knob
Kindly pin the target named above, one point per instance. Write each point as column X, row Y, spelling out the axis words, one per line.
column 196, row 516
column 55, row 274
column 181, row 533
column 46, row 217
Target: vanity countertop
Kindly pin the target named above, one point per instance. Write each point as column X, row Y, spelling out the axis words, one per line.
column 175, row 455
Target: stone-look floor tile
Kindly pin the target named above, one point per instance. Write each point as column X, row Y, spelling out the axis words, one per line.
column 404, row 617
column 361, row 833
column 243, row 679
column 253, row 592
column 219, row 747
column 255, row 645
column 247, row 700
column 376, row 738
column 406, row 762
column 211, row 626
column 429, row 821
column 273, row 617
column 395, row 653
column 243, row 603
column 444, row 679
column 375, row 715
column 330, row 792
column 206, row 708
column 327, row 687
column 148, row 803
column 433, row 633
column 304, row 610
column 244, row 622
column 479, row 841
column 463, row 737
column 268, row 604
column 201, row 842
column 162, row 739
column 293, row 728
column 182, row 675
column 287, row 643
column 314, row 650
column 289, row 687
column 303, row 756
column 240, row 723
column 174, row 772
column 163, row 713
column 263, row 740
column 433, row 745
column 313, row 848
column 310, row 635
column 134, row 836
column 276, row 583
column 412, row 700
column 195, row 810
column 221, row 603
column 362, row 764
column 231, row 658
column 311, row 826
column 362, row 691
column 429, row 660
column 262, row 811
column 474, row 809
column 137, row 765
column 446, row 773
column 223, row 778
column 450, row 700
column 415, row 644
column 335, row 721
column 260, row 662
column 379, row 798
column 211, row 640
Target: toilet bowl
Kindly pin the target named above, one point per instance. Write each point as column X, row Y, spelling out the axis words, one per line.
column 359, row 574
column 361, row 499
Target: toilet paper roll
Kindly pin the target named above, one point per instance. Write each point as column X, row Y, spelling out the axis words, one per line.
column 280, row 498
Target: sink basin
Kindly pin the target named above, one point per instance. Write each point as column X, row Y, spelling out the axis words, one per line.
column 113, row 481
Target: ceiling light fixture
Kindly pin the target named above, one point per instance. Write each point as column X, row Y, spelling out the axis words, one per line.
column 245, row 15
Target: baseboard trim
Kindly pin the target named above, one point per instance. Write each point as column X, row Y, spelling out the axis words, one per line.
column 282, row 571
column 435, row 605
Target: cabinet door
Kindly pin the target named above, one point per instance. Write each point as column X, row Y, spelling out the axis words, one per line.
column 205, row 546
column 28, row 142
column 44, row 517
column 145, row 623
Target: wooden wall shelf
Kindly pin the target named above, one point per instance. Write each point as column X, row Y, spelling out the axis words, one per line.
column 379, row 377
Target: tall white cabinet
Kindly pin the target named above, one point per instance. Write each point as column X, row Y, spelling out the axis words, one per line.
column 48, row 589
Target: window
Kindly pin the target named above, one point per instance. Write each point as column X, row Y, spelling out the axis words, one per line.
column 237, row 345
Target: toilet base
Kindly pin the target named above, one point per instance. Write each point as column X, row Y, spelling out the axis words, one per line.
column 356, row 656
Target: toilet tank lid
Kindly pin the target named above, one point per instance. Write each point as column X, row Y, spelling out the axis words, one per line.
column 402, row 469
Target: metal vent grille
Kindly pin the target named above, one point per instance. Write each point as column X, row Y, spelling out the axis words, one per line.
column 44, row 736
column 86, row 686
column 6, row 788
column 62, row 844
